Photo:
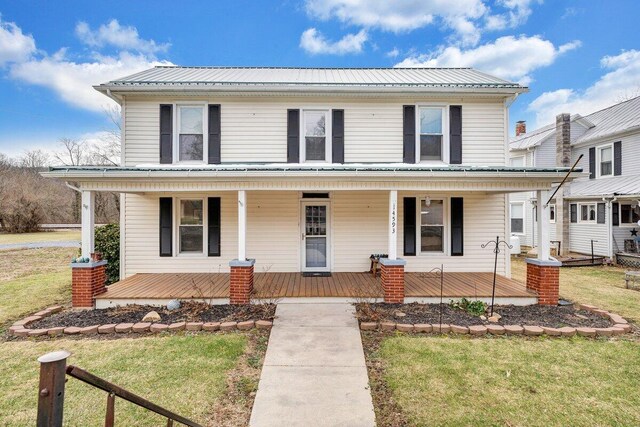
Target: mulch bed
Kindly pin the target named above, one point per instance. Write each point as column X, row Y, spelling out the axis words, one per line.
column 530, row 315
column 189, row 311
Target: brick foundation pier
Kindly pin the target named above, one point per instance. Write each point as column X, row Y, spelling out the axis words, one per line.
column 241, row 281
column 543, row 277
column 392, row 274
column 88, row 279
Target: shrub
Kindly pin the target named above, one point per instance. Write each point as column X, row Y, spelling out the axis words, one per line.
column 475, row 308
column 107, row 242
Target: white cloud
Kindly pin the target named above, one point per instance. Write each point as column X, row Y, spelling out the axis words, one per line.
column 71, row 78
column 116, row 35
column 315, row 43
column 620, row 81
column 467, row 19
column 509, row 57
column 393, row 53
column 14, row 45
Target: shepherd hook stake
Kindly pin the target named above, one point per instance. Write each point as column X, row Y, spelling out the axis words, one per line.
column 496, row 251
column 440, row 272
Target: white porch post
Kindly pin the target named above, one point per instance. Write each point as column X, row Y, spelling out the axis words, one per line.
column 242, row 225
column 543, row 226
column 393, row 224
column 88, row 222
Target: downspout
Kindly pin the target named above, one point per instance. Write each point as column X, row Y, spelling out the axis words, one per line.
column 609, row 216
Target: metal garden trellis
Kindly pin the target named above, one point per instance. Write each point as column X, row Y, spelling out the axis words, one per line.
column 496, row 251
column 440, row 272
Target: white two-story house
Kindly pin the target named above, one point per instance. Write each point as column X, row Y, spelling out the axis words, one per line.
column 294, row 177
column 600, row 210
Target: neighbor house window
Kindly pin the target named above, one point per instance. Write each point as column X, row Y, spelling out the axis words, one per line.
column 191, row 226
column 190, row 127
column 517, row 161
column 605, row 160
column 517, row 217
column 431, row 134
column 588, row 212
column 432, row 225
column 552, row 214
column 315, row 147
column 629, row 214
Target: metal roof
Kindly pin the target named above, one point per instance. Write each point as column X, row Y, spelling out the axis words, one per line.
column 612, row 120
column 266, row 77
column 616, row 185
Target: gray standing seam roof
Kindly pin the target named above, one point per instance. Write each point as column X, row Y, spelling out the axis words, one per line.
column 289, row 76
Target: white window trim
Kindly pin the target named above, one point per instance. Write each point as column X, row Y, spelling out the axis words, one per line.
column 445, row 134
column 625, row 224
column 524, row 216
column 587, row 221
column 524, row 161
column 176, row 228
column 552, row 205
column 176, row 133
column 327, row 134
column 445, row 223
column 599, row 149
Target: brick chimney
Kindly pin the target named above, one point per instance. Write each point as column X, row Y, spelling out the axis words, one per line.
column 563, row 139
column 521, row 127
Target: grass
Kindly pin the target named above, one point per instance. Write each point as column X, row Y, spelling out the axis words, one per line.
column 41, row 236
column 602, row 286
column 186, row 374
column 513, row 381
column 31, row 279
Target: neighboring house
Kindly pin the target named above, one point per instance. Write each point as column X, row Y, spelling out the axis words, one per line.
column 601, row 207
column 288, row 170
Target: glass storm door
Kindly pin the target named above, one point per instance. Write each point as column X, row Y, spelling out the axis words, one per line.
column 315, row 236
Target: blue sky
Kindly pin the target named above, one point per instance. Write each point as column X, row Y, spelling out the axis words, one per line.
column 576, row 56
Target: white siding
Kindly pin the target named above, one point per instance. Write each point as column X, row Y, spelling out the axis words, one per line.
column 545, row 153
column 630, row 154
column 359, row 223
column 255, row 130
column 580, row 236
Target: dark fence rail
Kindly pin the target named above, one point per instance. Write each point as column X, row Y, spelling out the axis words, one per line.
column 53, row 372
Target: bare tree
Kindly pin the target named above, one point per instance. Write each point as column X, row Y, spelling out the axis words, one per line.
column 628, row 95
column 34, row 159
column 73, row 152
column 107, row 150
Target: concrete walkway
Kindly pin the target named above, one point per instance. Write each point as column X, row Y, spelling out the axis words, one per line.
column 314, row 372
column 36, row 245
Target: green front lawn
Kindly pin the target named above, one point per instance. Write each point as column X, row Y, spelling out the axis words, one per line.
column 41, row 236
column 186, row 374
column 444, row 381
column 600, row 286
column 32, row 279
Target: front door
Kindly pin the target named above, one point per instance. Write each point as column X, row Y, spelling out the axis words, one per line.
column 315, row 236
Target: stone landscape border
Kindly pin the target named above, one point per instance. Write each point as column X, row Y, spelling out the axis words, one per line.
column 20, row 329
column 621, row 326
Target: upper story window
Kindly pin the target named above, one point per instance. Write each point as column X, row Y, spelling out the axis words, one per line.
column 605, row 160
column 629, row 214
column 517, row 161
column 315, row 146
column 431, row 144
column 190, row 133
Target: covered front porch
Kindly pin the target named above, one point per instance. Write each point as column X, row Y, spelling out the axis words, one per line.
column 159, row 288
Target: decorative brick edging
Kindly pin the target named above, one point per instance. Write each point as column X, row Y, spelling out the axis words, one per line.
column 621, row 326
column 20, row 329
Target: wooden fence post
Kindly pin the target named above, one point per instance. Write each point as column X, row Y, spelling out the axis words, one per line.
column 51, row 389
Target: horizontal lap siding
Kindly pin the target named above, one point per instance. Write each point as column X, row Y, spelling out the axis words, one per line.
column 273, row 230
column 581, row 235
column 360, row 223
column 254, row 130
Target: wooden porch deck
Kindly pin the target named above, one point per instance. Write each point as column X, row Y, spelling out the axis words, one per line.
column 148, row 286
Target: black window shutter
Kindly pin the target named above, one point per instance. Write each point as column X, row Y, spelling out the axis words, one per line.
column 600, row 213
column 166, row 133
column 592, row 163
column 166, row 226
column 615, row 213
column 409, row 226
column 337, row 136
column 457, row 226
column 573, row 212
column 293, row 136
column 214, row 226
column 214, row 134
column 455, row 134
column 409, row 134
column 617, row 158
